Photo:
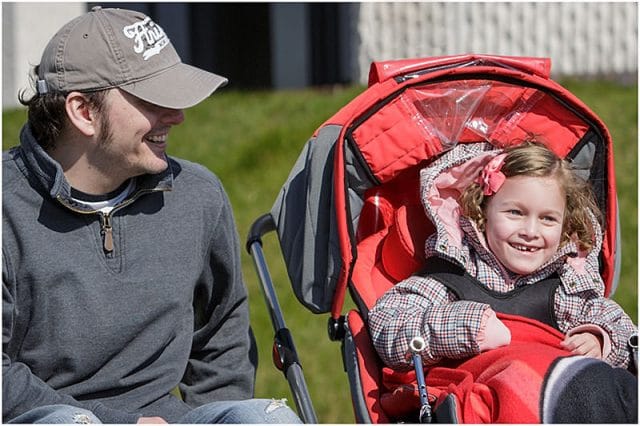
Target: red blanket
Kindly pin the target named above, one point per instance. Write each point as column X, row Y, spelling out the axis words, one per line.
column 504, row 385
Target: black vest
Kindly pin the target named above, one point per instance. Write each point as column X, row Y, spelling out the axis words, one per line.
column 531, row 301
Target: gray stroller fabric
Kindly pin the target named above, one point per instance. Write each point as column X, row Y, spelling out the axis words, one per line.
column 304, row 215
column 307, row 233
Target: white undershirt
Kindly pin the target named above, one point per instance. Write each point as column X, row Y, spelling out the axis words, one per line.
column 106, row 206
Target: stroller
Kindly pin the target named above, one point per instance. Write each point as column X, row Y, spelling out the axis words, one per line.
column 349, row 215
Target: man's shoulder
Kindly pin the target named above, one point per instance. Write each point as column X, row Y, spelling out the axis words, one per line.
column 9, row 156
column 10, row 171
column 185, row 169
column 195, row 180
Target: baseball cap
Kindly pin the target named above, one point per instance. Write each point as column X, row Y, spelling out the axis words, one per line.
column 107, row 48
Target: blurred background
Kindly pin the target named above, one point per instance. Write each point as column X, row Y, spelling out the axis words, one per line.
column 295, row 45
column 293, row 65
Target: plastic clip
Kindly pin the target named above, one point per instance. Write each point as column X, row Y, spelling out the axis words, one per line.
column 42, row 87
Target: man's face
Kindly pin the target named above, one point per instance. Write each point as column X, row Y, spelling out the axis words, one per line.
column 133, row 135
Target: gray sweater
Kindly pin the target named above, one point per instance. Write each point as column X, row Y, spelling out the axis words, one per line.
column 114, row 331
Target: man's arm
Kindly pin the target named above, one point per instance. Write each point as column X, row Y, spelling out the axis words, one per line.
column 223, row 361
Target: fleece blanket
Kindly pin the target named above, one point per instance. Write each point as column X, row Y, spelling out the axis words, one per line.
column 532, row 380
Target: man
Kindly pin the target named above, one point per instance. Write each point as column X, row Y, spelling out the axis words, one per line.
column 121, row 273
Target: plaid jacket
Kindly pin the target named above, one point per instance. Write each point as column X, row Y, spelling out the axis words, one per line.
column 422, row 306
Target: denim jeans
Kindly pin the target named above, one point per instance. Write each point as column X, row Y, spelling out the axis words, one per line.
column 57, row 414
column 247, row 411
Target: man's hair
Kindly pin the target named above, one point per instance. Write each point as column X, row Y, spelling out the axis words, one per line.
column 47, row 115
column 533, row 159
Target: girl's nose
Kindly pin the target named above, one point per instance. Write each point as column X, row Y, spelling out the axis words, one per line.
column 530, row 227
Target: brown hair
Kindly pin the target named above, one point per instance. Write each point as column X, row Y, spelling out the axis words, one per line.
column 46, row 113
column 532, row 158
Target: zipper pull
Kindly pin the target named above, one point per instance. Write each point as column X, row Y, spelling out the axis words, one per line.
column 107, row 232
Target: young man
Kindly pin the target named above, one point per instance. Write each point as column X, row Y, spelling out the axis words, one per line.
column 121, row 270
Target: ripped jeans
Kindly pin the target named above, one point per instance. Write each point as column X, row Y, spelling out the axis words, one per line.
column 247, row 411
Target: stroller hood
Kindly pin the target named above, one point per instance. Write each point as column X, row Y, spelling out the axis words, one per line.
column 412, row 112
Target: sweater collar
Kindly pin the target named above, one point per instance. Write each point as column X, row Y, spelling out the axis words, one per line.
column 48, row 173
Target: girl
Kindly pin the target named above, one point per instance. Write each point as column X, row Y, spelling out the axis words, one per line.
column 517, row 221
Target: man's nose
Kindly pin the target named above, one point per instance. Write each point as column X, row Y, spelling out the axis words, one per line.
column 173, row 116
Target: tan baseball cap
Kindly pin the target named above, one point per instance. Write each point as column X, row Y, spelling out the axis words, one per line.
column 107, row 48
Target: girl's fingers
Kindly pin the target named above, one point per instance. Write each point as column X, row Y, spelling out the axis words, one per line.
column 583, row 344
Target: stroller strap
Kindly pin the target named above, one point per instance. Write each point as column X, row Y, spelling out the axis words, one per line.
column 535, row 301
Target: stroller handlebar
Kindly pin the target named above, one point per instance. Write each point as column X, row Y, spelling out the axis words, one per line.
column 262, row 225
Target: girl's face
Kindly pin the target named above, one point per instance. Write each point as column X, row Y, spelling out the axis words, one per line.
column 524, row 222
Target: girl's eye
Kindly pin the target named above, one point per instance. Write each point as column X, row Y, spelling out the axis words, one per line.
column 551, row 219
column 514, row 212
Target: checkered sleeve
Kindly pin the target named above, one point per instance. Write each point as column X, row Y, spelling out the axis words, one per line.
column 421, row 306
column 588, row 308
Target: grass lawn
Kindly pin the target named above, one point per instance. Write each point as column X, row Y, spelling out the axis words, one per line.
column 252, row 139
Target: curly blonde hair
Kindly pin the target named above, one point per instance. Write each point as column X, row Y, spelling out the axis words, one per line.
column 534, row 159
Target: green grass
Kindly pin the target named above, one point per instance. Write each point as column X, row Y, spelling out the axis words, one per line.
column 617, row 106
column 252, row 139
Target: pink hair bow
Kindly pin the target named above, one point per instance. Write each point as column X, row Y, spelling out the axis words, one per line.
column 491, row 178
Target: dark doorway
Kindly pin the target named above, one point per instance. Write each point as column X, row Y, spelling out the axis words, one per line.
column 232, row 39
column 330, row 42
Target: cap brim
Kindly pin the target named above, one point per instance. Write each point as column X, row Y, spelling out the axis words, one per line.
column 178, row 87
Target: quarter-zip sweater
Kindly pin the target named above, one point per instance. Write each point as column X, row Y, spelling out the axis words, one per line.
column 112, row 312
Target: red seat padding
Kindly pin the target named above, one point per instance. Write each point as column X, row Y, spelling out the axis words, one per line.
column 403, row 247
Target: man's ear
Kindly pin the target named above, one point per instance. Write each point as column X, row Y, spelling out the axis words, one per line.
column 80, row 113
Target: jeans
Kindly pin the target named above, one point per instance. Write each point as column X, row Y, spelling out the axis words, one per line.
column 247, row 411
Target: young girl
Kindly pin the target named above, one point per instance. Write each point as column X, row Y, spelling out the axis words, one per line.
column 517, row 221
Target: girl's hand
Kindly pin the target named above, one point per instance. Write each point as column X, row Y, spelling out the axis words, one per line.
column 586, row 344
column 493, row 333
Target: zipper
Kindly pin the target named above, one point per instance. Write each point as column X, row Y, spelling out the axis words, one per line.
column 473, row 62
column 106, row 230
column 106, row 223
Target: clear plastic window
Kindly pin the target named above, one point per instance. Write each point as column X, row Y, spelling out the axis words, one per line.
column 488, row 109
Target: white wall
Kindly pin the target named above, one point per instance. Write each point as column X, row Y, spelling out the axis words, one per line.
column 26, row 29
column 580, row 38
